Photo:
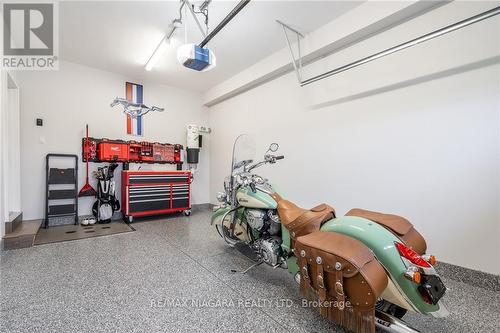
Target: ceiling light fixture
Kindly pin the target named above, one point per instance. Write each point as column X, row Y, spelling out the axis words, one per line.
column 157, row 53
column 162, row 46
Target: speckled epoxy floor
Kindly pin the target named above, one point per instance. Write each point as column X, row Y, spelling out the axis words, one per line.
column 173, row 275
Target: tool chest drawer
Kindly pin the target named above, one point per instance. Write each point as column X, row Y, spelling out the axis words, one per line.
column 146, row 193
column 158, row 179
column 180, row 196
column 139, row 206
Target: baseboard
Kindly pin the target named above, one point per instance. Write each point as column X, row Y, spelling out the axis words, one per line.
column 15, row 220
column 201, row 207
column 22, row 237
column 469, row 276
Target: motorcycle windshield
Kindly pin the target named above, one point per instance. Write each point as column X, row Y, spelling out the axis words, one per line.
column 243, row 152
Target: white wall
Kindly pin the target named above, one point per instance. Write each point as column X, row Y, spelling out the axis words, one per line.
column 76, row 95
column 415, row 134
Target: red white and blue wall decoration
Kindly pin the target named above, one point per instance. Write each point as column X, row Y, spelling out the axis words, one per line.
column 134, row 94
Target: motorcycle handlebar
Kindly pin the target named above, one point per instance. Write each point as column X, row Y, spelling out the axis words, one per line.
column 267, row 159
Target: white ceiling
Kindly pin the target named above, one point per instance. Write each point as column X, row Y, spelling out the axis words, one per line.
column 120, row 36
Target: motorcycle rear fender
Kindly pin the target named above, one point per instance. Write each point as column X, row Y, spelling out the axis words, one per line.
column 382, row 243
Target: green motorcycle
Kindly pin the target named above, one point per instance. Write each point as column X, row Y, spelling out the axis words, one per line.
column 385, row 249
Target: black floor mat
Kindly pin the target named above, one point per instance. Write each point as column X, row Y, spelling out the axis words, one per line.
column 71, row 232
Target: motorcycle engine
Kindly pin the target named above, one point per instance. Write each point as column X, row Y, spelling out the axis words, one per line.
column 263, row 220
column 255, row 218
column 275, row 222
column 270, row 250
column 268, row 247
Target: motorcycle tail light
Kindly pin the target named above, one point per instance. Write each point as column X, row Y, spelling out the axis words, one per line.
column 411, row 255
column 431, row 259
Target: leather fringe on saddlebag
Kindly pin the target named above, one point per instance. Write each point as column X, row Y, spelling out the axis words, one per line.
column 341, row 274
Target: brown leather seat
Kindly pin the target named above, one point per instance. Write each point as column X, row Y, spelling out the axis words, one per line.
column 288, row 211
column 300, row 221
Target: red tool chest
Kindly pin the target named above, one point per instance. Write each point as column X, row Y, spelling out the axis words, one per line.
column 146, row 193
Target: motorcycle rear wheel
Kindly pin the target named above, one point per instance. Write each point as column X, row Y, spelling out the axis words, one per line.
column 390, row 308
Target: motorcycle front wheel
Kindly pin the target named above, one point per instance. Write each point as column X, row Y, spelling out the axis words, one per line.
column 226, row 235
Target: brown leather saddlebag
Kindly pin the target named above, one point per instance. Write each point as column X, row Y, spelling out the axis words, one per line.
column 398, row 225
column 341, row 277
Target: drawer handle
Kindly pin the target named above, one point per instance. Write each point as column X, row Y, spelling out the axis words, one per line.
column 148, row 195
column 150, row 200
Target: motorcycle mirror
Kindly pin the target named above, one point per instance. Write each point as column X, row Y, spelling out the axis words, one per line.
column 274, row 147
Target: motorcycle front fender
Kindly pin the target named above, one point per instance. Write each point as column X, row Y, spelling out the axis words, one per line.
column 218, row 213
column 382, row 242
column 240, row 228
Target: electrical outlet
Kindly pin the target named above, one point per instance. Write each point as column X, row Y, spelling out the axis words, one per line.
column 205, row 129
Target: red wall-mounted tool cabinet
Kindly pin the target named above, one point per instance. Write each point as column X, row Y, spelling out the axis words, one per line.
column 147, row 193
column 163, row 152
column 134, row 152
column 113, row 151
column 106, row 150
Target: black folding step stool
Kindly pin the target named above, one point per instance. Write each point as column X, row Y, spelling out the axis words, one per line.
column 55, row 177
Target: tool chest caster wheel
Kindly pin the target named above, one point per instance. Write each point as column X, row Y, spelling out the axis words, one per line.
column 187, row 212
column 128, row 219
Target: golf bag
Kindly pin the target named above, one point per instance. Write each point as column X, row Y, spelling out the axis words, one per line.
column 106, row 203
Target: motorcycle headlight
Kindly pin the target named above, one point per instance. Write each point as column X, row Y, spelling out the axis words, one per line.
column 258, row 179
